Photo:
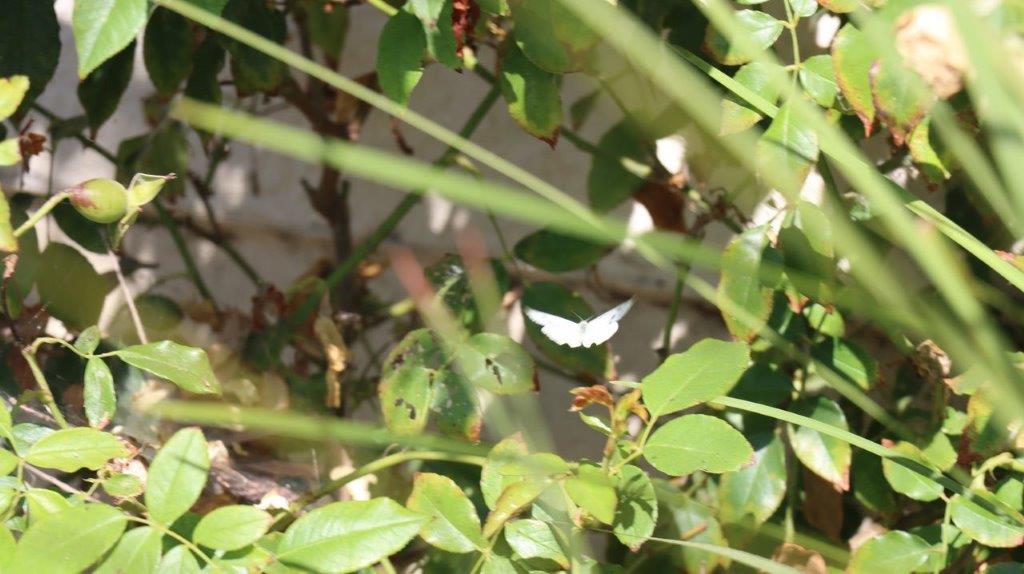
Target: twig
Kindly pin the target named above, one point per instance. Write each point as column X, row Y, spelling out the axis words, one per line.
column 140, row 330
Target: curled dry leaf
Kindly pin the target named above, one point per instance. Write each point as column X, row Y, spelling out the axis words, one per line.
column 929, row 43
column 583, row 397
column 336, row 353
column 800, row 558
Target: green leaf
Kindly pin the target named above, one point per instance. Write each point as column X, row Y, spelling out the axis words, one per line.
column 803, row 8
column 436, row 18
column 7, row 547
column 8, row 462
column 496, row 7
column 986, row 434
column 73, row 448
column 399, row 56
column 496, row 363
column 43, row 504
column 232, row 527
column 984, row 526
column 347, row 536
column 894, row 552
column 12, row 92
column 683, row 516
column 253, row 70
column 68, row 541
column 762, row 30
column 100, row 399
column 88, row 340
column 454, row 524
column 637, row 511
column 619, row 168
column 852, row 57
column 8, row 242
column 848, row 359
column 826, row 456
column 840, row 6
column 788, row 149
column 869, row 488
column 101, row 90
column 818, row 77
column 103, row 28
column 328, row 26
column 532, row 539
column 187, row 367
column 808, row 251
column 137, row 551
column 762, row 79
column 29, row 44
column 204, row 83
column 906, row 481
column 697, row 442
column 406, row 392
column 178, row 560
column 492, row 480
column 925, row 151
column 454, row 286
column 558, row 253
column 167, row 50
column 78, row 303
column 899, row 105
column 825, row 320
column 24, row 435
column 741, row 282
column 10, row 152
column 177, row 475
column 707, row 370
column 594, row 491
column 763, row 383
column 756, row 490
column 551, row 36
column 513, row 500
column 533, row 96
column 122, row 485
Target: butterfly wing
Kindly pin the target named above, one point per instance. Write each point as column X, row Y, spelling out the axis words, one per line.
column 601, row 328
column 560, row 330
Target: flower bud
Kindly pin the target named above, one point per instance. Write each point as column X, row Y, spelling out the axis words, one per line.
column 100, row 200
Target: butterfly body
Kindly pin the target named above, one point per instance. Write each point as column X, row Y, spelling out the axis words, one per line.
column 586, row 333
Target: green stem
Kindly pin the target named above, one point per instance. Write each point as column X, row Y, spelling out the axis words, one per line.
column 40, row 213
column 673, row 311
column 186, row 256
column 44, row 387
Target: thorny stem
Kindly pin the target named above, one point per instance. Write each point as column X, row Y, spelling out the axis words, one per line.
column 44, row 387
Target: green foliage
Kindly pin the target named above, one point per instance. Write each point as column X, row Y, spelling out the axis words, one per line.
column 873, row 371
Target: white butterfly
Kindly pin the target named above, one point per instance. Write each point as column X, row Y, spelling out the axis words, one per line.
column 586, row 333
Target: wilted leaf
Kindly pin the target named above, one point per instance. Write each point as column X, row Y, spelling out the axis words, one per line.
column 853, row 56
